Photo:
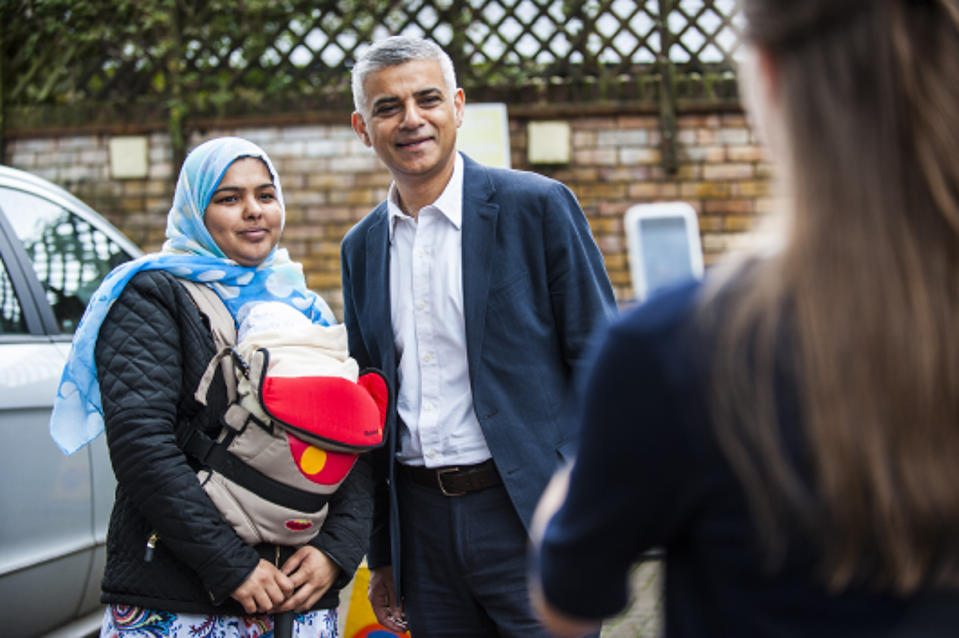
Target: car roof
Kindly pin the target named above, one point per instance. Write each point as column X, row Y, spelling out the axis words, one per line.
column 24, row 181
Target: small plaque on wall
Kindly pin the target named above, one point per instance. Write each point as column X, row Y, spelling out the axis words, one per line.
column 128, row 157
column 484, row 135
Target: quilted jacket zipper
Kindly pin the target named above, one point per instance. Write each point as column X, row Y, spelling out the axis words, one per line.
column 151, row 545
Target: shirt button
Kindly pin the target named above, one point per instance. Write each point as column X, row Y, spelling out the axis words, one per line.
column 428, row 407
column 427, row 357
column 431, row 454
column 421, row 305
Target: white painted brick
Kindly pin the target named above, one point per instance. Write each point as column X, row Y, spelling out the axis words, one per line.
column 734, row 136
column 160, row 170
column 46, row 172
column 326, row 148
column 38, row 144
column 634, row 137
column 304, row 198
column 79, row 142
column 259, row 135
column 78, row 172
column 633, row 156
column 94, row 156
column 355, row 147
column 287, row 148
column 51, row 159
column 355, row 163
column 344, row 132
column 686, row 136
column 302, row 133
column 24, row 160
column 158, row 153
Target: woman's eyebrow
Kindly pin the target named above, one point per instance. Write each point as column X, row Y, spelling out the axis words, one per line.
column 239, row 188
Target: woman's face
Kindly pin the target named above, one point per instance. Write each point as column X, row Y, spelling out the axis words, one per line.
column 244, row 216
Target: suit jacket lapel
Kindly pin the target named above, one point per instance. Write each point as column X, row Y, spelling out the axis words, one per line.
column 479, row 232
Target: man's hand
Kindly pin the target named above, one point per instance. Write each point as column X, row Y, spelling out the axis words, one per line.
column 263, row 589
column 312, row 572
column 382, row 594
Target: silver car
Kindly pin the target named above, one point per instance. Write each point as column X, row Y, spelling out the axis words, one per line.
column 54, row 251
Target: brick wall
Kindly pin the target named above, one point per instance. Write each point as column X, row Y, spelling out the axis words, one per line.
column 330, row 180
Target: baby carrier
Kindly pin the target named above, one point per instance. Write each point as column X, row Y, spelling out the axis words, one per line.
column 293, row 428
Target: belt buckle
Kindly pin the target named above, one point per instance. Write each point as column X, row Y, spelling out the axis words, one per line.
column 439, row 479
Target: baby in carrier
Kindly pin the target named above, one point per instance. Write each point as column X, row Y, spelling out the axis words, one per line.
column 299, row 415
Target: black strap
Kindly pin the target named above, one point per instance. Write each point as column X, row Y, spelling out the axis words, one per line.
column 215, row 456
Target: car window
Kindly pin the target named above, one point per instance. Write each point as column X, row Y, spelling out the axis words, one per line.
column 70, row 256
column 11, row 316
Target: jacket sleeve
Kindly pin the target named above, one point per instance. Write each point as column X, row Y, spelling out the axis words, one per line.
column 139, row 358
column 580, row 292
column 345, row 533
column 379, row 535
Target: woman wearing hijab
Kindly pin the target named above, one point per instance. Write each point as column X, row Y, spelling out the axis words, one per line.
column 789, row 433
column 174, row 566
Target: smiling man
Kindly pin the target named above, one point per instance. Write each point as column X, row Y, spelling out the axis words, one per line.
column 475, row 290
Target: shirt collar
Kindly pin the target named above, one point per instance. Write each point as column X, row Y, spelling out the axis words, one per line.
column 449, row 203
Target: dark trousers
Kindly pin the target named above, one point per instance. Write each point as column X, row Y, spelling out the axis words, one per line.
column 463, row 564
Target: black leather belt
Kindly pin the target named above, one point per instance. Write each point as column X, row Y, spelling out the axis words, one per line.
column 455, row 480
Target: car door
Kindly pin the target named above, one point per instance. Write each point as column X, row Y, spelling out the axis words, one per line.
column 55, row 252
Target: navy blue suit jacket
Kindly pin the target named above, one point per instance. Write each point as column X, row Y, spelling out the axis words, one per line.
column 535, row 288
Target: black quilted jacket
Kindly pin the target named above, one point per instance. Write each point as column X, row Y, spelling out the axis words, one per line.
column 152, row 349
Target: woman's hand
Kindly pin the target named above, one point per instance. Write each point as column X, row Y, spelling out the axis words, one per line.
column 311, row 572
column 263, row 589
column 557, row 622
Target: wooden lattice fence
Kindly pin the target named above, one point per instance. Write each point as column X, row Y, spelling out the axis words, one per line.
column 115, row 62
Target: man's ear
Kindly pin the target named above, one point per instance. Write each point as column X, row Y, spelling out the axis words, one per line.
column 459, row 105
column 359, row 125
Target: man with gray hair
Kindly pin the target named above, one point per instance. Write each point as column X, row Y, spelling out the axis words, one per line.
column 476, row 291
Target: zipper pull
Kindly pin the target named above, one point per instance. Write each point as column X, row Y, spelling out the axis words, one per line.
column 151, row 545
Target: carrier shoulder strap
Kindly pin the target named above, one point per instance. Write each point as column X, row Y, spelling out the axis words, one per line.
column 223, row 329
column 209, row 303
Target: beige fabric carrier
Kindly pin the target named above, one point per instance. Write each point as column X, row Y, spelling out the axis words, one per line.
column 299, row 414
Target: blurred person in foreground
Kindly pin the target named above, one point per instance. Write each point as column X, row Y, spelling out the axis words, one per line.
column 789, row 431
column 476, row 290
column 175, row 566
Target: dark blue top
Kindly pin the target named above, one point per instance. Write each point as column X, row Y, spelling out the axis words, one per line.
column 649, row 474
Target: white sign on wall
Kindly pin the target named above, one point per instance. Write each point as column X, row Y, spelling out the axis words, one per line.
column 484, row 135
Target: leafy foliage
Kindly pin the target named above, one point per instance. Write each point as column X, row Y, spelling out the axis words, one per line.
column 174, row 58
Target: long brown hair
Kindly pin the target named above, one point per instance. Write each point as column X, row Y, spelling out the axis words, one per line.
column 868, row 283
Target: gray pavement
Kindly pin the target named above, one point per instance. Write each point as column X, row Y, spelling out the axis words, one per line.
column 643, row 618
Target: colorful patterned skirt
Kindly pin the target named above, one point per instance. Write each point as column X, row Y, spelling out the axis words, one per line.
column 125, row 621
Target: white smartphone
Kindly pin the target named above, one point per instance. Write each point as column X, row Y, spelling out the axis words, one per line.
column 663, row 244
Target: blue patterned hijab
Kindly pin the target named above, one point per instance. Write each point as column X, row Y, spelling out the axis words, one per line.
column 189, row 252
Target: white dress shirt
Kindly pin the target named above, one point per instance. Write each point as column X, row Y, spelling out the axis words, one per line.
column 434, row 400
